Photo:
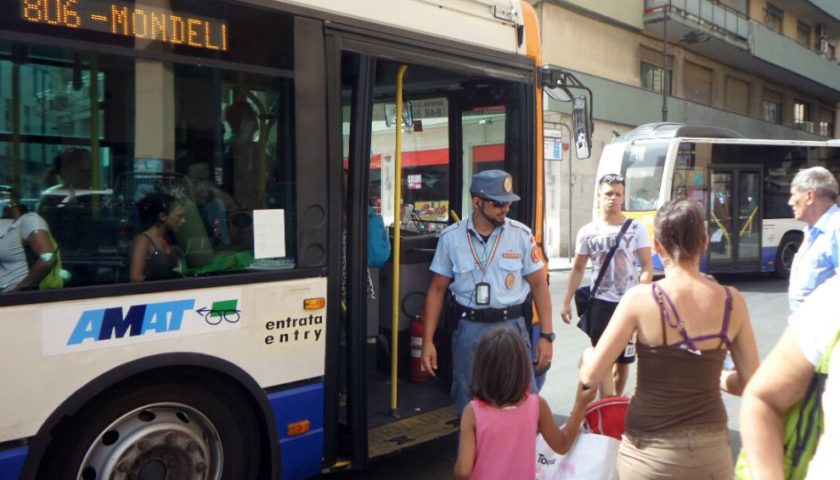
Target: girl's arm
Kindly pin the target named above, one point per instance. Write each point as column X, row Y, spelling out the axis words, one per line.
column 744, row 349
column 466, row 446
column 561, row 439
column 598, row 363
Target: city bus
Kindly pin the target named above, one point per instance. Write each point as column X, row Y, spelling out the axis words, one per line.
column 743, row 183
column 206, row 171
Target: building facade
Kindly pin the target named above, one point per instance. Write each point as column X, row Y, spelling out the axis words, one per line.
column 765, row 69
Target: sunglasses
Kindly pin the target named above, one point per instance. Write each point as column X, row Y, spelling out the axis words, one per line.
column 612, row 178
column 495, row 203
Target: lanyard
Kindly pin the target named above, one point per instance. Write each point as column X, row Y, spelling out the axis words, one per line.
column 486, row 264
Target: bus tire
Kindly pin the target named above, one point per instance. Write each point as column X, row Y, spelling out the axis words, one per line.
column 787, row 250
column 173, row 428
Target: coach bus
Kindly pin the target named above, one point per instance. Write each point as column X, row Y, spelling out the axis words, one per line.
column 247, row 340
column 743, row 183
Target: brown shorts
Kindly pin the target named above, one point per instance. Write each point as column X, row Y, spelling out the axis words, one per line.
column 702, row 453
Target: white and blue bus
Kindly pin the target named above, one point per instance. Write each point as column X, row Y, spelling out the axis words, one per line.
column 744, row 184
column 272, row 124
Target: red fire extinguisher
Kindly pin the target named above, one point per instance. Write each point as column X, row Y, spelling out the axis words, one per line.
column 416, row 372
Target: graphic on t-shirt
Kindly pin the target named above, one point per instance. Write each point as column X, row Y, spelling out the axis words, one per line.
column 596, row 239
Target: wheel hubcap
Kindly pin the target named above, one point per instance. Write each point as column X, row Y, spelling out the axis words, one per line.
column 164, row 441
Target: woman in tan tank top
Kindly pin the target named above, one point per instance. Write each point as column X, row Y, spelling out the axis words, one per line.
column 676, row 425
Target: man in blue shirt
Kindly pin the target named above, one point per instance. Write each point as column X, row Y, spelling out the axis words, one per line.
column 490, row 264
column 813, row 198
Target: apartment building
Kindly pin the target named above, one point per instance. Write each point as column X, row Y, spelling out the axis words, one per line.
column 766, row 69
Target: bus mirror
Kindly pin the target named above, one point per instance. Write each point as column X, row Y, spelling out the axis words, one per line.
column 580, row 122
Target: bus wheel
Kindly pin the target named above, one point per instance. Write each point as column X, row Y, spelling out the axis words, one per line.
column 170, row 430
column 787, row 250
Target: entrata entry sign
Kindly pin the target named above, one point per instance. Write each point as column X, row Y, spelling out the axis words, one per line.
column 129, row 20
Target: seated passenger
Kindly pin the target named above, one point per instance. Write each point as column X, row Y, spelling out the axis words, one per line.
column 154, row 255
column 20, row 231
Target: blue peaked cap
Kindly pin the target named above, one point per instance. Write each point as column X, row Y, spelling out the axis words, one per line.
column 494, row 184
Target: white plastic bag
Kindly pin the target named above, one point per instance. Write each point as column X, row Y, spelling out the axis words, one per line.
column 592, row 457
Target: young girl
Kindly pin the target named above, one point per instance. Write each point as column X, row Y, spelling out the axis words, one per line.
column 499, row 426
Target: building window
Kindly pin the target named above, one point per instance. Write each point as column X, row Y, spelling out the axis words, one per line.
column 652, row 78
column 826, row 129
column 771, row 110
column 737, row 95
column 803, row 33
column 773, row 17
column 697, row 83
column 802, row 116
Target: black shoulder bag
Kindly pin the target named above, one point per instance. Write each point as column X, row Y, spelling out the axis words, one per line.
column 584, row 295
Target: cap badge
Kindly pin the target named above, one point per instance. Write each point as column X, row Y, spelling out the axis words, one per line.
column 508, row 185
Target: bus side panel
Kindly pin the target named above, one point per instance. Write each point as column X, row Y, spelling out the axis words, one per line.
column 263, row 329
column 773, row 230
column 11, row 463
column 300, row 454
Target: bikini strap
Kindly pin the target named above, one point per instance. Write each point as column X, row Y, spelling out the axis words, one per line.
column 687, row 341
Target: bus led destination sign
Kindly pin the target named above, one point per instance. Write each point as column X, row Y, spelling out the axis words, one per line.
column 129, row 20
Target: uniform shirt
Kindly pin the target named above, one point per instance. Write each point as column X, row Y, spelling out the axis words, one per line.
column 13, row 233
column 815, row 325
column 516, row 256
column 595, row 240
column 818, row 258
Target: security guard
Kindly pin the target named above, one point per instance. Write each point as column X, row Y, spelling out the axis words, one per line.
column 490, row 263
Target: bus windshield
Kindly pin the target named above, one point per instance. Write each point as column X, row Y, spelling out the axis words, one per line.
column 642, row 167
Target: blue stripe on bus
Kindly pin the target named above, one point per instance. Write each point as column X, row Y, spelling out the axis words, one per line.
column 768, row 258
column 300, row 454
column 11, row 463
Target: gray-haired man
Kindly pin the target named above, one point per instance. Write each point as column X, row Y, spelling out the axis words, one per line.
column 813, row 198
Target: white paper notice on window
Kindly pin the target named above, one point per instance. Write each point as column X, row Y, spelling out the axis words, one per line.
column 269, row 233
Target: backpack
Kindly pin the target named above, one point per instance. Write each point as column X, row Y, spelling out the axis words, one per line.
column 379, row 246
column 803, row 426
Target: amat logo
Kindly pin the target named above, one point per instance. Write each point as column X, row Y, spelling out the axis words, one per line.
column 109, row 323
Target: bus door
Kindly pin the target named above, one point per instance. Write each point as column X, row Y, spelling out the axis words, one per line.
column 735, row 218
column 455, row 121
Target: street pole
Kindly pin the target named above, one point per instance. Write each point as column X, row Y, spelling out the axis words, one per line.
column 666, row 9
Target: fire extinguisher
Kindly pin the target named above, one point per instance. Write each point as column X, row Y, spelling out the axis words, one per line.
column 416, row 372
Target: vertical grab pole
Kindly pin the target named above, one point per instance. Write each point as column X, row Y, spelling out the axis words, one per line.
column 395, row 293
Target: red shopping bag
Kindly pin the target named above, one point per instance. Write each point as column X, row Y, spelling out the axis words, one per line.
column 606, row 416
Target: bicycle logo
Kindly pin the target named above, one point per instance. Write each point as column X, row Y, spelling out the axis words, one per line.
column 214, row 316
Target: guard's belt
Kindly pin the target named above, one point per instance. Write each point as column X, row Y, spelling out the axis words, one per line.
column 492, row 315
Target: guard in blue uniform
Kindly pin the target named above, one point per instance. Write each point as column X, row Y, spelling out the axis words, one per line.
column 490, row 264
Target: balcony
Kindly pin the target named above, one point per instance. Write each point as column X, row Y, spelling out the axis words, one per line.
column 728, row 36
column 830, row 7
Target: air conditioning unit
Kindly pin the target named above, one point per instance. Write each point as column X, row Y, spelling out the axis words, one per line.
column 823, row 46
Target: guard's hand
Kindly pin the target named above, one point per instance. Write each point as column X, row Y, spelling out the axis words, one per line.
column 566, row 312
column 428, row 357
column 545, row 350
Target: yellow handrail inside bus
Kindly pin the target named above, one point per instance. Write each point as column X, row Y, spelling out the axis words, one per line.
column 748, row 223
column 454, row 215
column 395, row 293
column 721, row 227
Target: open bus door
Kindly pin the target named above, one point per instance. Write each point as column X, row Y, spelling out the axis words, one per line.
column 455, row 121
column 735, row 218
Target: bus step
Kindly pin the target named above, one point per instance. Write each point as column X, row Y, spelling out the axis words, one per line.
column 395, row 436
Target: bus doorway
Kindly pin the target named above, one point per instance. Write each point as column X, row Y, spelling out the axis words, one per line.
column 734, row 218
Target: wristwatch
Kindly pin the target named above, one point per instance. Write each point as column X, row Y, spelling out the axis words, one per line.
column 547, row 336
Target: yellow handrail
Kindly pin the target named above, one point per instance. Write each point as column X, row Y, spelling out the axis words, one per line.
column 748, row 223
column 722, row 228
column 395, row 293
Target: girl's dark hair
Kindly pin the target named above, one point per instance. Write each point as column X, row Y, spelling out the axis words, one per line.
column 502, row 367
column 681, row 230
column 153, row 204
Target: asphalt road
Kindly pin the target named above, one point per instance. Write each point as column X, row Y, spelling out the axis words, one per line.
column 766, row 298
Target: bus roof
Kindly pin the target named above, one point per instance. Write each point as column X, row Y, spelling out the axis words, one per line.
column 494, row 24
column 668, row 130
